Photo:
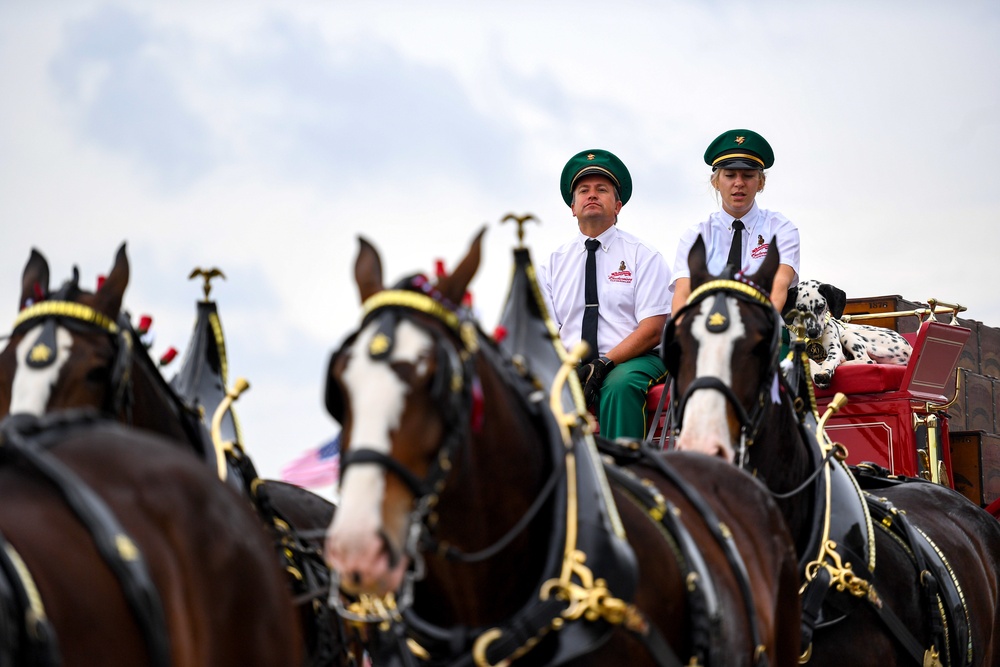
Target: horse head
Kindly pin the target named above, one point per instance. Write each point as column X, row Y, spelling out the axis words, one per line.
column 413, row 388
column 397, row 388
column 66, row 347
column 721, row 349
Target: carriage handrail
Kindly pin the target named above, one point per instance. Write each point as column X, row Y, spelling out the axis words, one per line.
column 935, row 307
column 222, row 447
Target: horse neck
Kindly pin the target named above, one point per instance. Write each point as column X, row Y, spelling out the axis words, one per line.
column 780, row 456
column 494, row 481
column 153, row 405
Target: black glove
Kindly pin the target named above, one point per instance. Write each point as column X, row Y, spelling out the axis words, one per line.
column 592, row 377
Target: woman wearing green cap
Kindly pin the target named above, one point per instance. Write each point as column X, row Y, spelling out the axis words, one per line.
column 609, row 288
column 740, row 232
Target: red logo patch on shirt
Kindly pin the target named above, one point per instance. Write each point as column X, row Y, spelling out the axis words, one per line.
column 759, row 251
column 620, row 276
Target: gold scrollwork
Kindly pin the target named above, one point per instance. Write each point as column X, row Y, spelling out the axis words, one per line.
column 842, row 577
column 482, row 643
column 590, row 599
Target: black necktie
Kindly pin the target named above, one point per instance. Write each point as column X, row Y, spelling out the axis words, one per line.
column 590, row 300
column 736, row 249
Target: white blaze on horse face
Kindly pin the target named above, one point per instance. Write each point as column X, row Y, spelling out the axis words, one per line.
column 378, row 397
column 705, row 425
column 32, row 387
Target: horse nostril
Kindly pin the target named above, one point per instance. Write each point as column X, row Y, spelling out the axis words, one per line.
column 355, row 578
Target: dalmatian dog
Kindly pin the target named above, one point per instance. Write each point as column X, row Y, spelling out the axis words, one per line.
column 817, row 307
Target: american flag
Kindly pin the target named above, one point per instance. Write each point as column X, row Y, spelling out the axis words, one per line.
column 316, row 468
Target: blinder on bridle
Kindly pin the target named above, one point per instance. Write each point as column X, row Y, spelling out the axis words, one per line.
column 717, row 320
column 82, row 319
column 451, row 387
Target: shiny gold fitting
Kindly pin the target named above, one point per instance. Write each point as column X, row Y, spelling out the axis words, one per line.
column 416, row 649
column 126, row 547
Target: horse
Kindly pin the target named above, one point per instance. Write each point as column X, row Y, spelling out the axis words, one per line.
column 894, row 572
column 477, row 530
column 96, row 362
column 119, row 549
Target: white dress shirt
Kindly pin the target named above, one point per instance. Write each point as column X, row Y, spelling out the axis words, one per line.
column 633, row 283
column 717, row 232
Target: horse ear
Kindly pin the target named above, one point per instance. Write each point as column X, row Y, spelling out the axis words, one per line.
column 368, row 270
column 34, row 280
column 836, row 299
column 697, row 263
column 454, row 285
column 765, row 274
column 110, row 294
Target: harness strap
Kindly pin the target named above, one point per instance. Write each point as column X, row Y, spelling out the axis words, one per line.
column 701, row 595
column 812, row 599
column 28, row 637
column 898, row 629
column 725, row 540
column 363, row 455
column 897, row 522
column 120, row 553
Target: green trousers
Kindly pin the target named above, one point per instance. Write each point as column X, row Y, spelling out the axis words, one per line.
column 621, row 407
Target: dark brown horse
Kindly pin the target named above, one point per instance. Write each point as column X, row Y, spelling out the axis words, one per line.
column 119, row 549
column 96, row 361
column 900, row 573
column 482, row 532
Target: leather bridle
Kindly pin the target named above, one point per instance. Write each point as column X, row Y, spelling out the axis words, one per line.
column 717, row 321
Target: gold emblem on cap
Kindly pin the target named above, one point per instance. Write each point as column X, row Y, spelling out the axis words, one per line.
column 716, row 320
column 591, row 156
column 740, row 140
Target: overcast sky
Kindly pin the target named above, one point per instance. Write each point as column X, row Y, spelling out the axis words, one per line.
column 263, row 137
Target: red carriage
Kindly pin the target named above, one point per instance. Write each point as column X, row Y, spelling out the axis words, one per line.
column 925, row 419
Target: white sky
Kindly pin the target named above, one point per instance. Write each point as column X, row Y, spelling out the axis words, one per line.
column 264, row 137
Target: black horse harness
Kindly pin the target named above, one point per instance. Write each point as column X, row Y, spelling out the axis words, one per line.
column 570, row 480
column 25, row 441
column 840, row 506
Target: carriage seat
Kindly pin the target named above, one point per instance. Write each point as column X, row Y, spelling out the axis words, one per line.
column 926, row 376
column 652, row 401
column 866, row 378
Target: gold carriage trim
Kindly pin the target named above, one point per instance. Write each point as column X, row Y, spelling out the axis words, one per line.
column 731, row 285
column 413, row 300
column 68, row 309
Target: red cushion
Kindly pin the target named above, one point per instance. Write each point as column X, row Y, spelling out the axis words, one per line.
column 864, row 379
column 653, row 396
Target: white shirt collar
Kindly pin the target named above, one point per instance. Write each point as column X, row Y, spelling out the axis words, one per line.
column 606, row 238
column 748, row 220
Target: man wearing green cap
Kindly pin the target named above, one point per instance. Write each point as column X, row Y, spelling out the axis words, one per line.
column 740, row 233
column 609, row 288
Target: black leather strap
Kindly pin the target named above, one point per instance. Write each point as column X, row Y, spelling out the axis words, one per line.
column 137, row 585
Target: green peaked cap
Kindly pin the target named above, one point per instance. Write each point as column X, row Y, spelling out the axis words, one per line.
column 739, row 149
column 595, row 161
